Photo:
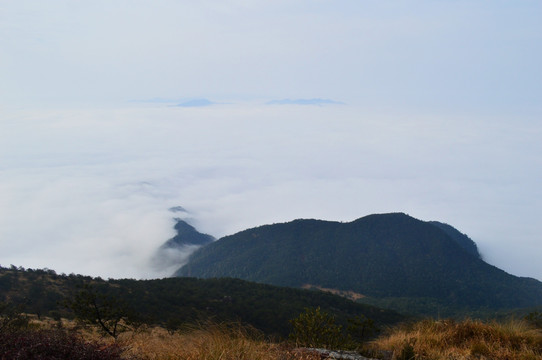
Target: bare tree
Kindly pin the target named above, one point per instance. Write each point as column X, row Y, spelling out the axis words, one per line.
column 109, row 313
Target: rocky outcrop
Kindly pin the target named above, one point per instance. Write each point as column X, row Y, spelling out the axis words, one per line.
column 326, row 354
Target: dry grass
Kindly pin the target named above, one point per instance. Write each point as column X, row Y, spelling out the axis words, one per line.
column 212, row 342
column 206, row 342
column 354, row 296
column 465, row 340
column 427, row 340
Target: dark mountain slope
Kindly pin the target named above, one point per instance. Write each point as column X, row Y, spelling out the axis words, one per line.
column 381, row 256
column 461, row 239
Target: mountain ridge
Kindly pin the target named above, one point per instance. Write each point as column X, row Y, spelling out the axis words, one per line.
column 381, row 256
column 187, row 301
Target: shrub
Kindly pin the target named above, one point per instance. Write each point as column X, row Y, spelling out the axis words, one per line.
column 360, row 328
column 479, row 349
column 53, row 344
column 110, row 314
column 11, row 317
column 407, row 352
column 535, row 319
column 315, row 328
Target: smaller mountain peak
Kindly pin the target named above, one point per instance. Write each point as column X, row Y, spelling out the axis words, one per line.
column 393, row 216
column 177, row 209
column 316, row 101
column 196, row 103
column 175, row 252
column 187, row 235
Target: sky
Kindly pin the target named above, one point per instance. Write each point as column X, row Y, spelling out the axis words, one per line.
column 309, row 109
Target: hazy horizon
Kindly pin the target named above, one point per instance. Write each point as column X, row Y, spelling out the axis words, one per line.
column 290, row 109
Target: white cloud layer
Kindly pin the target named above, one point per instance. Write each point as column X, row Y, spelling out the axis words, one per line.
column 442, row 121
column 88, row 191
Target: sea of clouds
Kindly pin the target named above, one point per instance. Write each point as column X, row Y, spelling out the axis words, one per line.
column 87, row 190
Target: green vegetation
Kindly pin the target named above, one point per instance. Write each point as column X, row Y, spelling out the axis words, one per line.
column 392, row 259
column 427, row 339
column 315, row 328
column 108, row 312
column 11, row 317
column 535, row 319
column 175, row 302
column 461, row 239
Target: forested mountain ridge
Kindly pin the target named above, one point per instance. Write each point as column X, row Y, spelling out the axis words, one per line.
column 461, row 239
column 183, row 300
column 383, row 256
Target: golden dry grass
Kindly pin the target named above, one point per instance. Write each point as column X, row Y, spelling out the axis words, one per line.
column 212, row 342
column 429, row 340
column 206, row 342
column 465, row 340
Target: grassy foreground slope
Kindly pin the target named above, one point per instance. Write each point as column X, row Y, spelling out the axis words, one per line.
column 428, row 340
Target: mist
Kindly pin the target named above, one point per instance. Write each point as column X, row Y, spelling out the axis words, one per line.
column 306, row 109
column 88, row 191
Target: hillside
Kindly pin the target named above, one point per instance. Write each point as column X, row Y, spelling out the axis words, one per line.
column 392, row 259
column 186, row 300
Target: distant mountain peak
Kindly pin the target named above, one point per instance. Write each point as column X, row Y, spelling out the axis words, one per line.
column 315, row 101
column 197, row 103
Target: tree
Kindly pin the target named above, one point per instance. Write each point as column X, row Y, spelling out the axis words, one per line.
column 360, row 328
column 173, row 324
column 535, row 319
column 36, row 296
column 315, row 328
column 11, row 317
column 107, row 312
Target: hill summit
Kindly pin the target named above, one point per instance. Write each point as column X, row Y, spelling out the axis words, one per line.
column 384, row 257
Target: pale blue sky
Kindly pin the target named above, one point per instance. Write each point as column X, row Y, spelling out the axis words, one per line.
column 441, row 120
column 445, row 55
